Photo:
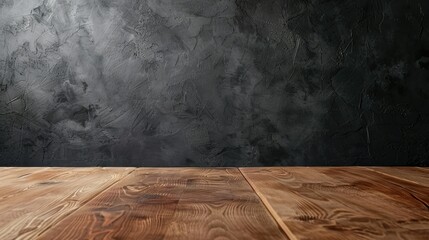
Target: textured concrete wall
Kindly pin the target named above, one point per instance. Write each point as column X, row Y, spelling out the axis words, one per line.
column 214, row 82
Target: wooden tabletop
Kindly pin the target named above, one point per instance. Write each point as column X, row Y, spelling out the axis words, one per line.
column 215, row 203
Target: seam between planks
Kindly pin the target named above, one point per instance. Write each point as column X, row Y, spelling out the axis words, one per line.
column 270, row 209
column 393, row 176
column 83, row 204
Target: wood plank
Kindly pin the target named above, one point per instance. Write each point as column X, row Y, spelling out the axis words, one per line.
column 343, row 203
column 172, row 203
column 32, row 199
column 414, row 174
column 16, row 172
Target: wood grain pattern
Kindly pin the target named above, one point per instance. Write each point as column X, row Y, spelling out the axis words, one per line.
column 172, row 203
column 413, row 174
column 343, row 203
column 15, row 172
column 32, row 199
column 201, row 203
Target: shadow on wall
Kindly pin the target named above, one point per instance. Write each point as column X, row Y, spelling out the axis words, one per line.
column 214, row 83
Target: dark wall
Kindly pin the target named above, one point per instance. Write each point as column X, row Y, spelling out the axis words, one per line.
column 214, row 82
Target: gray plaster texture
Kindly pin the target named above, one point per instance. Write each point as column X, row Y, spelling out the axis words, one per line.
column 214, row 82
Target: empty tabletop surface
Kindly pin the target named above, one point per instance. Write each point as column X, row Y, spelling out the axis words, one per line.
column 214, row 203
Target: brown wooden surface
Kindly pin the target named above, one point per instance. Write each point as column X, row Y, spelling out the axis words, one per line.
column 343, row 203
column 32, row 199
column 413, row 174
column 14, row 172
column 189, row 203
column 214, row 203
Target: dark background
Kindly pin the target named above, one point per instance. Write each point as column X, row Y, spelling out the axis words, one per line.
column 214, row 82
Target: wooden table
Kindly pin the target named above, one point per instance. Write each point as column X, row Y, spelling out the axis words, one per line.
column 214, row 203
